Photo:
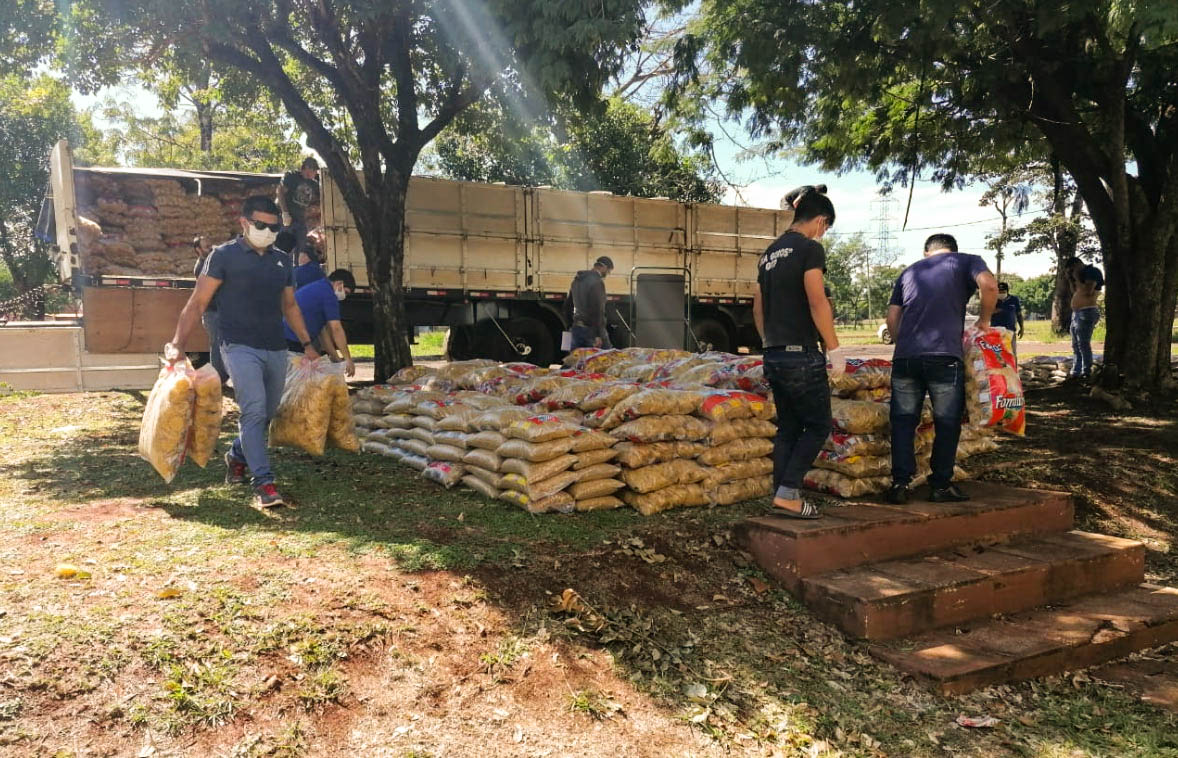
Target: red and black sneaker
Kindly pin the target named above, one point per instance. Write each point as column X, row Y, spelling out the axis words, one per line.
column 267, row 496
column 234, row 470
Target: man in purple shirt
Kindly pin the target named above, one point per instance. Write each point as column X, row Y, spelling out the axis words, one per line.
column 927, row 315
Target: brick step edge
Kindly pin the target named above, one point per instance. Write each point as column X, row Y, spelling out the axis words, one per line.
column 898, row 598
column 1075, row 635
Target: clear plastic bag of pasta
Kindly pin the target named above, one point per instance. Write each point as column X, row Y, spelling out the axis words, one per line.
column 341, row 428
column 651, row 402
column 859, row 416
column 733, row 405
column 862, row 374
column 739, row 490
column 410, row 375
column 637, row 455
column 481, row 486
column 856, row 466
column 834, row 483
column 304, row 412
column 536, row 452
column 534, row 472
column 540, row 428
column 603, row 503
column 730, row 472
column 737, row 450
column 444, row 473
column 591, row 458
column 607, row 396
column 660, row 475
column 662, row 429
column 167, row 419
column 741, row 429
column 595, row 488
column 206, row 415
column 538, row 489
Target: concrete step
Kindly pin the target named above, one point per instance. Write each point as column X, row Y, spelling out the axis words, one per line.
column 1077, row 634
column 864, row 532
column 903, row 597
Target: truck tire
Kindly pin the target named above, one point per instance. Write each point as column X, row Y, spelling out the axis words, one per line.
column 709, row 331
column 458, row 344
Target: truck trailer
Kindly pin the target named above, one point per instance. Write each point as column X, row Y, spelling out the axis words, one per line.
column 492, row 262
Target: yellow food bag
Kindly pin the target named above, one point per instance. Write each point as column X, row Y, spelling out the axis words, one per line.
column 652, row 402
column 600, row 471
column 595, row 488
column 662, row 429
column 605, row 503
column 661, row 475
column 544, row 427
column 737, row 450
column 859, row 416
column 206, row 415
column 741, row 429
column 731, row 472
column 534, row 451
column 591, row 439
column 167, row 419
column 637, row 455
column 675, row 496
column 304, row 412
column 538, row 490
column 341, row 429
column 739, row 490
column 857, row 466
column 534, row 472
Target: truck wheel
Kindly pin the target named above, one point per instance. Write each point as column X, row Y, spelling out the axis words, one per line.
column 533, row 333
column 709, row 331
column 458, row 343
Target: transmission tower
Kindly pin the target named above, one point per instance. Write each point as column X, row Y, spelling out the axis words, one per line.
column 885, row 241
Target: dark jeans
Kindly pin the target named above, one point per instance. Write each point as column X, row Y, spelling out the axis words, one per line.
column 802, row 394
column 943, row 378
column 1084, row 321
column 584, row 336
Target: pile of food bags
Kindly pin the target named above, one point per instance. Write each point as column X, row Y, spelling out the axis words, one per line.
column 315, row 410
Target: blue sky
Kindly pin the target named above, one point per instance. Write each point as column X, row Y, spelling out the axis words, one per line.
column 764, row 181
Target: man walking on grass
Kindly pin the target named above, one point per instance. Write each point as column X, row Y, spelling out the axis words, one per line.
column 252, row 283
column 793, row 315
column 927, row 315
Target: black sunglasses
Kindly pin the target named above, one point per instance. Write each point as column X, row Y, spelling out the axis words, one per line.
column 260, row 225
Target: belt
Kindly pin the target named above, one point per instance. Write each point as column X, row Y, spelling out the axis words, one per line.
column 793, row 348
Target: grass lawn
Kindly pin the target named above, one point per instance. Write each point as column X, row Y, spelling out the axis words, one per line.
column 386, row 616
column 428, row 344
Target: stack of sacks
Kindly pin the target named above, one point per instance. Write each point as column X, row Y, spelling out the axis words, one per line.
column 649, row 416
column 739, row 446
column 536, row 460
column 864, row 379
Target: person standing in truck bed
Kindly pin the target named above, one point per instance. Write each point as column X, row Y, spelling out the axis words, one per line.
column 584, row 308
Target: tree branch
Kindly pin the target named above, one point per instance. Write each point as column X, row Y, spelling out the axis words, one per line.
column 399, row 44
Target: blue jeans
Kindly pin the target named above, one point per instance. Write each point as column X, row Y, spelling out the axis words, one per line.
column 943, row 378
column 209, row 319
column 584, row 336
column 802, row 394
column 258, row 378
column 1084, row 321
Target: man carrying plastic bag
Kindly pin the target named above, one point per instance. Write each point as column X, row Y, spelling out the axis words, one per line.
column 253, row 284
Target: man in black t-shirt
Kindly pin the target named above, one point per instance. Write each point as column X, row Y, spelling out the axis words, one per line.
column 298, row 191
column 793, row 315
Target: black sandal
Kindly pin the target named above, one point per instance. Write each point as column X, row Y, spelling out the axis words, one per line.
column 808, row 511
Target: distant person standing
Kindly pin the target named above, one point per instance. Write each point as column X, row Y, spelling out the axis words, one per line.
column 584, row 308
column 298, row 191
column 927, row 315
column 1008, row 314
column 794, row 318
column 1087, row 282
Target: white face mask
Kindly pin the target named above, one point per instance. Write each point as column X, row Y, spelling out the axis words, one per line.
column 340, row 294
column 260, row 238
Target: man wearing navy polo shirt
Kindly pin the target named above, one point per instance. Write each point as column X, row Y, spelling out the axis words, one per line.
column 319, row 303
column 1008, row 314
column 927, row 315
column 252, row 283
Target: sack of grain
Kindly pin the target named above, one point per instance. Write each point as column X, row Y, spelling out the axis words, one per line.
column 594, row 457
column 739, row 490
column 490, row 477
column 731, row 405
column 538, row 489
column 675, row 496
column 606, row 503
column 497, row 419
column 534, row 472
column 484, row 459
column 537, row 452
column 862, row 374
column 341, row 427
column 206, row 415
column 651, row 402
column 856, row 466
column 662, row 429
column 585, row 440
column 482, row 487
column 730, row 472
column 637, row 455
column 444, row 473
column 167, row 418
column 418, row 433
column 485, row 440
column 834, row 483
column 737, row 430
column 595, row 488
column 570, row 395
column 859, row 417
column 454, row 439
column 737, row 450
column 459, row 418
column 372, row 446
column 608, row 396
column 661, row 475
column 540, row 428
column 447, row 453
column 410, row 375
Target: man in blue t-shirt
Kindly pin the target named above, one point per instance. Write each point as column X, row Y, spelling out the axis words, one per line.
column 927, row 315
column 1087, row 281
column 319, row 303
column 252, row 283
column 1008, row 314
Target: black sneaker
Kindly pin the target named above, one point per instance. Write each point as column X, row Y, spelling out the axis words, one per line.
column 897, row 494
column 234, row 470
column 948, row 494
column 267, row 496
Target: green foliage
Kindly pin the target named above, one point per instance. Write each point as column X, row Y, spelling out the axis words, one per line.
column 28, row 29
column 260, row 140
column 859, row 278
column 1035, row 293
column 617, row 147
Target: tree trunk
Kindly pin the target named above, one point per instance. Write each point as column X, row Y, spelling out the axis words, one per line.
column 204, row 117
column 1061, row 303
column 384, row 251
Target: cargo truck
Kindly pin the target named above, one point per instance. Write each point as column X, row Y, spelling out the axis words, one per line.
column 491, row 262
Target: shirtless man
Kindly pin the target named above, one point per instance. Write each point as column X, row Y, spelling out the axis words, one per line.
column 1087, row 281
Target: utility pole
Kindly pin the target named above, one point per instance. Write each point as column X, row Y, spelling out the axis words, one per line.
column 883, row 206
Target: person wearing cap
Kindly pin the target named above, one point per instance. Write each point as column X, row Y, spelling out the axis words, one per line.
column 584, row 308
column 298, row 191
column 1008, row 313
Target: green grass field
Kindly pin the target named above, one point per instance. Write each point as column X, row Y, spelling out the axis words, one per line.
column 428, row 344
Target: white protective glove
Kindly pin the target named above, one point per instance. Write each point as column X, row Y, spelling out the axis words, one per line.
column 837, row 360
column 171, row 353
column 286, row 219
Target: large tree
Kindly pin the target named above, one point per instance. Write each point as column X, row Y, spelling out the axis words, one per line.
column 955, row 88
column 34, row 114
column 372, row 82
